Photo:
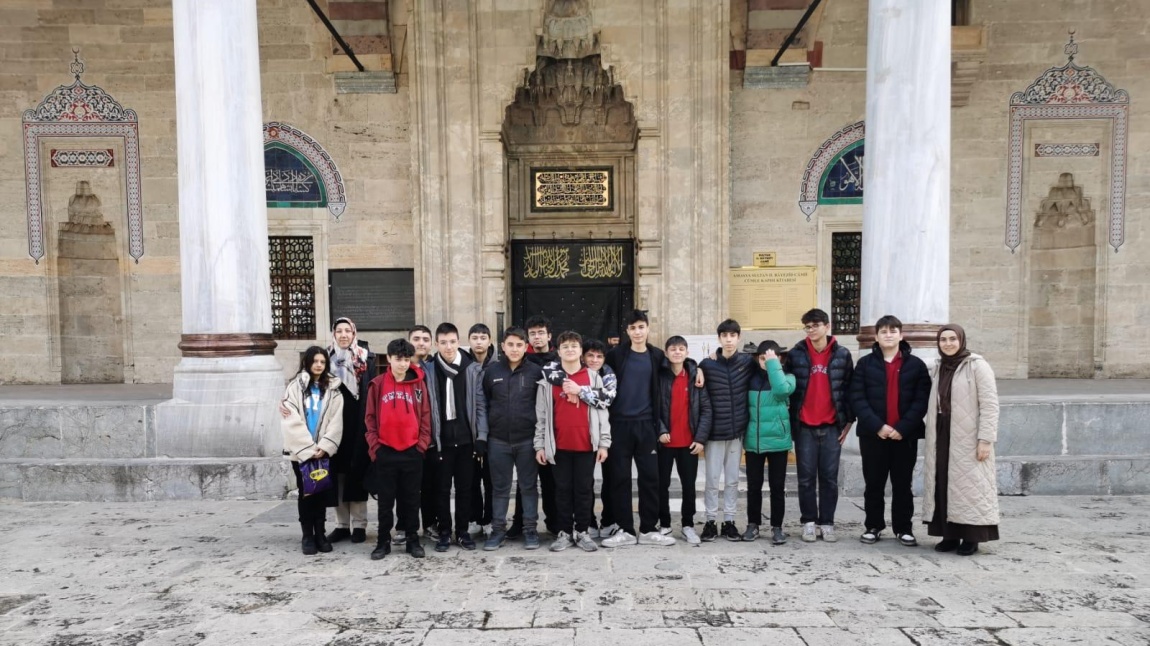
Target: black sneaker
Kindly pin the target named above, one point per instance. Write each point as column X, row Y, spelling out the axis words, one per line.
column 465, row 541
column 515, row 532
column 531, row 539
column 322, row 544
column 338, row 534
column 710, row 532
column 870, row 536
column 730, row 532
column 444, row 542
column 415, row 549
column 382, row 549
column 358, row 535
column 308, row 545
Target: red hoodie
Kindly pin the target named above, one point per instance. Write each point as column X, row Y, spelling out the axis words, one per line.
column 398, row 413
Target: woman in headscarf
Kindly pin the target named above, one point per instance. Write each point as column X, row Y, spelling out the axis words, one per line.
column 355, row 367
column 960, row 499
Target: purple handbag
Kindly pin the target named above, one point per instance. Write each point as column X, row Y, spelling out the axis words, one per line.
column 316, row 475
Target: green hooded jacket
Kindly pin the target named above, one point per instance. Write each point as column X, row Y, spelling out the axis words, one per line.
column 769, row 428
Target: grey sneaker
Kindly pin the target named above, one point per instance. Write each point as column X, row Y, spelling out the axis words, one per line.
column 593, row 532
column 473, row 528
column 809, row 535
column 665, row 531
column 400, row 537
column 562, row 542
column 495, row 541
column 828, row 532
column 621, row 538
column 584, row 542
column 656, row 538
column 778, row 537
column 608, row 531
column 751, row 533
column 531, row 539
column 691, row 535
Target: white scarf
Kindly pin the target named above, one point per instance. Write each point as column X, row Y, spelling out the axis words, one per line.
column 450, row 371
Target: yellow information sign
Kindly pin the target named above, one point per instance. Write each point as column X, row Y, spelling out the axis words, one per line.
column 772, row 298
column 763, row 259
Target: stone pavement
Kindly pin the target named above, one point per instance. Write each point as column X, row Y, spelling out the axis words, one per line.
column 1071, row 570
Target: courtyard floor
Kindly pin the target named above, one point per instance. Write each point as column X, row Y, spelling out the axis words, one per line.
column 1069, row 571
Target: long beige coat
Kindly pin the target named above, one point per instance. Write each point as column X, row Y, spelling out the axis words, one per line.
column 972, row 488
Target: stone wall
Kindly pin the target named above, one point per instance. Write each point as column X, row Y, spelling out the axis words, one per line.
column 127, row 49
column 775, row 133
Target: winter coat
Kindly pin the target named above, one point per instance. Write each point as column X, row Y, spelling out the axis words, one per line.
column 471, row 373
column 545, row 419
column 352, row 460
column 727, row 381
column 416, row 398
column 840, row 370
column 505, row 402
column 298, row 443
column 972, row 487
column 698, row 401
column 769, row 427
column 868, row 394
column 617, row 360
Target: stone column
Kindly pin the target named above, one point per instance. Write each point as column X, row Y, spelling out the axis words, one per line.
column 906, row 212
column 228, row 382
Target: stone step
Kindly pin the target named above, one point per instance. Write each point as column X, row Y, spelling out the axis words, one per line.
column 145, row 479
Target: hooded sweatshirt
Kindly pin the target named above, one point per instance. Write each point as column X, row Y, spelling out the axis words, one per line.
column 398, row 412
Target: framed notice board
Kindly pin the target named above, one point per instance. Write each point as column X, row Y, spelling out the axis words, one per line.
column 376, row 299
column 772, row 298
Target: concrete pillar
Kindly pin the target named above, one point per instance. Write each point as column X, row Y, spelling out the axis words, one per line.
column 906, row 211
column 227, row 384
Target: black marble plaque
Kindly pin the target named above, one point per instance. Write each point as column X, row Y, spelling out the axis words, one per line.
column 375, row 299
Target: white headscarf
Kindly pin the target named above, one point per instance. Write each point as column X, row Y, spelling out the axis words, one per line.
column 348, row 364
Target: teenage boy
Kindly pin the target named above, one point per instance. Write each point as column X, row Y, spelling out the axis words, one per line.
column 398, row 424
column 634, row 434
column 451, row 376
column 506, row 419
column 419, row 336
column 684, row 415
column 820, row 420
column 572, row 437
column 479, row 349
column 540, row 353
column 728, row 376
column 889, row 393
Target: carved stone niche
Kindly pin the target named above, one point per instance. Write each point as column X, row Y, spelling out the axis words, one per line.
column 1065, row 218
column 569, row 102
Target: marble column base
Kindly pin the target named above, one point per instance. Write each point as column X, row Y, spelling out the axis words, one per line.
column 918, row 335
column 222, row 407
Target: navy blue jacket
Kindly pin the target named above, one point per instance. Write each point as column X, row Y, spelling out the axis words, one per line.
column 868, row 394
column 617, row 359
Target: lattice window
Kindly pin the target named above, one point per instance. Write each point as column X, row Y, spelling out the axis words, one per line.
column 293, row 286
column 846, row 276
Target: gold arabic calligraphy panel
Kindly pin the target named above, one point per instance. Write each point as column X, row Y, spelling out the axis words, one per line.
column 571, row 189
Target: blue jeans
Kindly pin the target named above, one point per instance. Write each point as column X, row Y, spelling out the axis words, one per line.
column 504, row 459
column 817, row 454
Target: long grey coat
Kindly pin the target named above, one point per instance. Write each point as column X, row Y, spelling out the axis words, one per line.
column 972, row 488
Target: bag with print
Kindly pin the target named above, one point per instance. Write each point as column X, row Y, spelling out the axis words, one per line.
column 317, row 476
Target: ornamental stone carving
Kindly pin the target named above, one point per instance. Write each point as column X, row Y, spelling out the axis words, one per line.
column 1064, row 205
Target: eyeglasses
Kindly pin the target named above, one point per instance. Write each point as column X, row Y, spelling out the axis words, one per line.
column 813, row 326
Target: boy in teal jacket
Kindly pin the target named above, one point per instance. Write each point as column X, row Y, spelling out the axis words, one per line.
column 768, row 438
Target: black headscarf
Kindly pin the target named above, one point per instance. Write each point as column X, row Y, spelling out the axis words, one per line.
column 949, row 365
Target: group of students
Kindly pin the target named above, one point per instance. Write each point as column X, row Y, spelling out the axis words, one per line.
column 460, row 424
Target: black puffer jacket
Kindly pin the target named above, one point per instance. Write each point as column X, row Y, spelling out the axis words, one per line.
column 505, row 401
column 698, row 401
column 727, row 382
column 841, row 369
column 868, row 394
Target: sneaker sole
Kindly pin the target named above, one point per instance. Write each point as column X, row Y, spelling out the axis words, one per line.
column 868, row 541
column 492, row 548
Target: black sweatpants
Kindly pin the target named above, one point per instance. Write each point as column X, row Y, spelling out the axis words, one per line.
column 894, row 459
column 635, row 440
column 429, row 489
column 574, row 473
column 398, row 475
column 312, row 509
column 546, row 495
column 481, row 492
column 776, row 466
column 456, row 465
column 607, row 515
column 687, row 466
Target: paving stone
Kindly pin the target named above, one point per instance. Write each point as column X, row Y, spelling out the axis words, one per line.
column 695, row 618
column 1063, row 637
column 497, row 619
column 1076, row 619
column 952, row 637
column 783, row 619
column 973, row 619
column 881, row 619
column 630, row 618
column 534, row 637
column 633, row 637
column 861, row 637
column 747, row 635
column 555, row 619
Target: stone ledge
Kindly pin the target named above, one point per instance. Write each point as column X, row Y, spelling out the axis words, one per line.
column 365, row 82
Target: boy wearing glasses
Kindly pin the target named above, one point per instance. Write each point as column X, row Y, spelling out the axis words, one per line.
column 821, row 418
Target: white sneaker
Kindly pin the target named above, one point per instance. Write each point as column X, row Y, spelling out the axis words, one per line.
column 828, row 532
column 691, row 536
column 656, row 538
column 584, row 542
column 809, row 535
column 400, row 537
column 473, row 528
column 608, row 531
column 619, row 539
column 665, row 531
column 487, row 530
column 562, row 542
column 592, row 532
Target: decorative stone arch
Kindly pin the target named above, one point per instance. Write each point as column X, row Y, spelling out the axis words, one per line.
column 80, row 110
column 1069, row 92
column 283, row 136
column 833, row 149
